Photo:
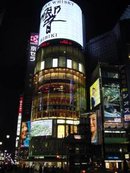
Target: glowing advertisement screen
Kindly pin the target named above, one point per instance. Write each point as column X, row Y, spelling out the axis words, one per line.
column 41, row 128
column 25, row 134
column 112, row 107
column 93, row 127
column 61, row 20
column 94, row 94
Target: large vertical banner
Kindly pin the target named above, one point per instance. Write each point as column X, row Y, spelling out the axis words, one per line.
column 112, row 105
column 33, row 46
column 25, row 134
column 93, row 127
column 20, row 110
column 125, row 96
column 96, row 127
column 95, row 98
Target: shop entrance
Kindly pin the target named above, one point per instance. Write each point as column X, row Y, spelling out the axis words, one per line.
column 114, row 165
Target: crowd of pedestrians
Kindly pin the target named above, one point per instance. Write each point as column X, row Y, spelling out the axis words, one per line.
column 4, row 168
column 41, row 168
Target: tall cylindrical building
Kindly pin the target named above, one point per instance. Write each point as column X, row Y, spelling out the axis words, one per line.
column 59, row 96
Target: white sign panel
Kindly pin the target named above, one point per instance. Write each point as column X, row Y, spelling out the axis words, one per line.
column 61, row 19
column 33, row 46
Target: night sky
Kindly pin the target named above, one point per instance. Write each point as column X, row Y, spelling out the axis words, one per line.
column 19, row 20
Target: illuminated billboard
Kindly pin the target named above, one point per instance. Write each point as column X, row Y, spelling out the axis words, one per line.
column 61, row 20
column 95, row 94
column 33, row 46
column 19, row 115
column 112, row 107
column 96, row 127
column 93, row 127
column 41, row 128
column 25, row 134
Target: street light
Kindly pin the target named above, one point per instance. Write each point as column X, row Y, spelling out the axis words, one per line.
column 7, row 136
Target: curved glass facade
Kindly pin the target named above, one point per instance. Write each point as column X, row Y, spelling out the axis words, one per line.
column 59, row 88
column 59, row 91
column 59, row 95
column 60, row 56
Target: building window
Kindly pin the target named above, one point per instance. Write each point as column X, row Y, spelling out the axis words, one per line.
column 42, row 65
column 62, row 61
column 55, row 62
column 61, row 131
column 69, row 63
column 110, row 74
column 80, row 67
column 48, row 63
column 38, row 67
column 75, row 65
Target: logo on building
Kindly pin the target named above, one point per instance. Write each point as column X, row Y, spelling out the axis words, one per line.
column 61, row 19
column 49, row 16
column 33, row 46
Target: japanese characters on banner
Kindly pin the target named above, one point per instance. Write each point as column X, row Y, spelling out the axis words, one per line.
column 33, row 46
column 19, row 115
column 61, row 19
column 20, row 109
column 125, row 96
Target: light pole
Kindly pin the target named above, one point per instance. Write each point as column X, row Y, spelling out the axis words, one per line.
column 7, row 136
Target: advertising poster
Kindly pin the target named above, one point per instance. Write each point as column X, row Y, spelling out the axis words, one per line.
column 112, row 105
column 95, row 94
column 25, row 134
column 96, row 127
column 41, row 128
column 61, row 20
column 93, row 127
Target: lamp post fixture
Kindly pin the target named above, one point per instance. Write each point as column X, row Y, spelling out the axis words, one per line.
column 7, row 136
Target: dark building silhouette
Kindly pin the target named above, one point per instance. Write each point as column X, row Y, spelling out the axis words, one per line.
column 109, row 57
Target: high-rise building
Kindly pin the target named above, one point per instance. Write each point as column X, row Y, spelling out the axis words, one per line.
column 110, row 83
column 32, row 48
column 124, row 27
column 23, row 142
column 112, row 47
column 59, row 95
column 58, row 105
column 109, row 120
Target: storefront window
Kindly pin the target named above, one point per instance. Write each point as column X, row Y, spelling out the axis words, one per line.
column 61, row 131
